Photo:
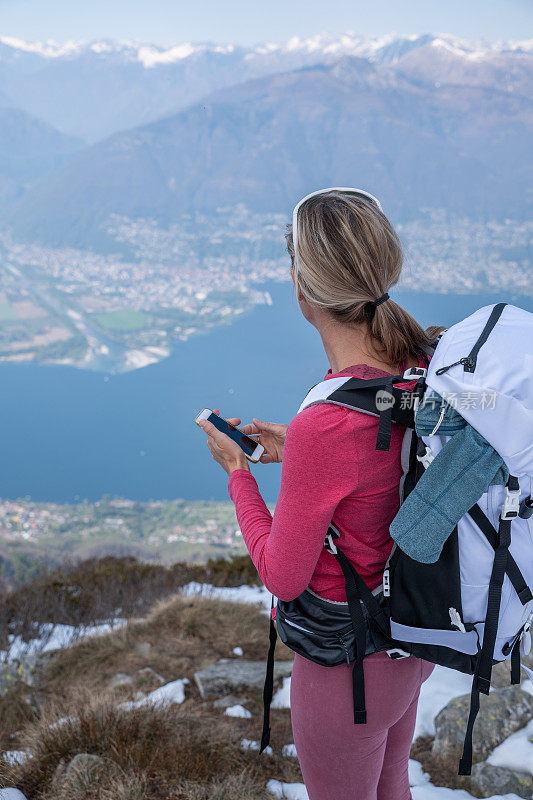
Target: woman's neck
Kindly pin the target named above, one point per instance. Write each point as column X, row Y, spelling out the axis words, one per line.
column 346, row 345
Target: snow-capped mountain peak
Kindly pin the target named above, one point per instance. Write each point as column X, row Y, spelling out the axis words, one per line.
column 47, row 49
column 388, row 47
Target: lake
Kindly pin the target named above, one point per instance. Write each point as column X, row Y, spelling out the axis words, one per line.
column 67, row 434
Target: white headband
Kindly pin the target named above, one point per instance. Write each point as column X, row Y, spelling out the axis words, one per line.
column 340, row 189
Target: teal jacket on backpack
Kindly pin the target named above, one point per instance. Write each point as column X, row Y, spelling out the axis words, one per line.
column 454, row 480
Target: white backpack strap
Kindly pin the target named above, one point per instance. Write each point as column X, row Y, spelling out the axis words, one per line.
column 321, row 391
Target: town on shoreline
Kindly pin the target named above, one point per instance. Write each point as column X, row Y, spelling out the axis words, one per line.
column 123, row 310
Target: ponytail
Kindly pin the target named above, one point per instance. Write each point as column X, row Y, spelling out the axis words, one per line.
column 397, row 333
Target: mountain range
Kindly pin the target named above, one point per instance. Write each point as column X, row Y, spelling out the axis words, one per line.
column 92, row 89
column 424, row 121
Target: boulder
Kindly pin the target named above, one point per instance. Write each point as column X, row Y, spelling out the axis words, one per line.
column 235, row 676
column 229, row 700
column 79, row 774
column 84, row 762
column 502, row 713
column 490, row 780
column 120, row 680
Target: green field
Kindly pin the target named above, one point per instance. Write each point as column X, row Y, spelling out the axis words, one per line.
column 123, row 320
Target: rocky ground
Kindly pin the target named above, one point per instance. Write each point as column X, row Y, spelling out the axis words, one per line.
column 169, row 706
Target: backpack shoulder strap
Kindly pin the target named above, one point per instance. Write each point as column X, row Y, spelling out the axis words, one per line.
column 378, row 397
column 320, row 392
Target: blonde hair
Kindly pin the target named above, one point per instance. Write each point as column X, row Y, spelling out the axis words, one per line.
column 349, row 255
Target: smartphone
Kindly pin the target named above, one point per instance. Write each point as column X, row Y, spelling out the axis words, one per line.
column 250, row 447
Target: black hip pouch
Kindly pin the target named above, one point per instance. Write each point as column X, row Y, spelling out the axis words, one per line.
column 322, row 630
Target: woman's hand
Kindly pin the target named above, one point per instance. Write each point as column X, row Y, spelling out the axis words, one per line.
column 224, row 450
column 272, row 438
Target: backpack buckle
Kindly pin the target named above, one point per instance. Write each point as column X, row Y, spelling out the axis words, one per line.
column 329, row 544
column 426, row 458
column 386, row 582
column 397, row 652
column 511, row 504
column 415, row 372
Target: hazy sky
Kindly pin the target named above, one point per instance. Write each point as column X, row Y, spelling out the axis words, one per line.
column 248, row 21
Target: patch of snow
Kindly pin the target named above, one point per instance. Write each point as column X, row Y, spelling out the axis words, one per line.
column 442, row 686
column 289, row 751
column 291, row 791
column 236, row 594
column 238, row 711
column 15, row 757
column 238, row 651
column 417, row 776
column 250, row 744
column 167, row 695
column 55, row 637
column 516, row 752
column 527, row 686
column 282, row 698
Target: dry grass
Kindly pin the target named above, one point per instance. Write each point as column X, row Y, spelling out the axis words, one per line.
column 185, row 634
column 15, row 713
column 92, row 590
column 151, row 753
column 186, row 752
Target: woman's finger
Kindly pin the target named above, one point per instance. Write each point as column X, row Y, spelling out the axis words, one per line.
column 249, row 428
column 235, row 421
column 213, row 432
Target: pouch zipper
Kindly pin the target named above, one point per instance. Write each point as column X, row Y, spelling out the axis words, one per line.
column 345, row 648
column 292, row 624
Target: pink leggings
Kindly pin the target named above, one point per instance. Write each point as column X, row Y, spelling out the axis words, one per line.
column 343, row 761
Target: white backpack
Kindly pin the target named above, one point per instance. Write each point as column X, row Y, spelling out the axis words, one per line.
column 474, row 606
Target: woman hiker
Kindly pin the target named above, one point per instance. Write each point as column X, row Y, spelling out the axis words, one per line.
column 345, row 258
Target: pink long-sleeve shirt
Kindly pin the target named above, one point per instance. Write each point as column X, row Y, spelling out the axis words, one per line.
column 331, row 471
